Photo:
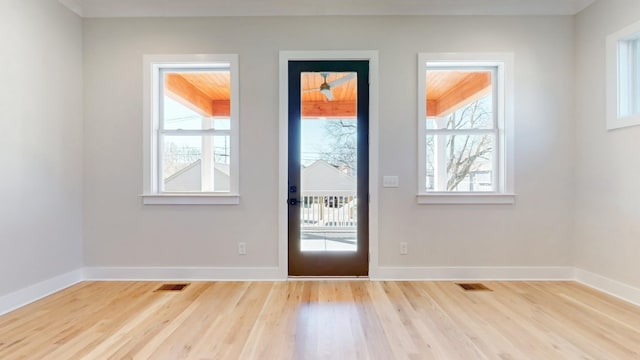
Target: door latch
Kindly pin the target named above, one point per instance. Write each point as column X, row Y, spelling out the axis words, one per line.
column 293, row 201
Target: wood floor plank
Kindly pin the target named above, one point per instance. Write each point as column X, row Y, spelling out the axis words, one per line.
column 443, row 333
column 323, row 320
column 189, row 329
column 570, row 330
column 377, row 344
column 470, row 313
column 225, row 339
column 273, row 337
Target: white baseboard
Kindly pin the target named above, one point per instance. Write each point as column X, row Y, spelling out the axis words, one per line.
column 608, row 286
column 549, row 273
column 464, row 273
column 37, row 291
column 381, row 273
column 182, row 273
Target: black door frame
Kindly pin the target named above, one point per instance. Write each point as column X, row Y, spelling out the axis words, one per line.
column 328, row 263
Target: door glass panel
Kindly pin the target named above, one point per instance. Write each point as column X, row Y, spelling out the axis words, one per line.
column 328, row 201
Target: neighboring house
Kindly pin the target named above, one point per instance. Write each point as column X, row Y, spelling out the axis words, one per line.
column 189, row 178
column 324, row 177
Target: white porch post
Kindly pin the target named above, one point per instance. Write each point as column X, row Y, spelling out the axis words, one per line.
column 440, row 165
column 206, row 164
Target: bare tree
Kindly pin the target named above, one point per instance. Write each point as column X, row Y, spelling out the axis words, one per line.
column 465, row 152
column 464, row 155
column 343, row 144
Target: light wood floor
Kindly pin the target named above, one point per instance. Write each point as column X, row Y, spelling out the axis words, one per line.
column 323, row 320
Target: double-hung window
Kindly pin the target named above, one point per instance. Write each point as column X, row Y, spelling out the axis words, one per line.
column 191, row 129
column 623, row 77
column 464, row 129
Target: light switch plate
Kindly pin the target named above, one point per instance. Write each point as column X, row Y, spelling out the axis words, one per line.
column 390, row 181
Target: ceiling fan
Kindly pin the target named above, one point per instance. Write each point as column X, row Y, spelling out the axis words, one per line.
column 326, row 88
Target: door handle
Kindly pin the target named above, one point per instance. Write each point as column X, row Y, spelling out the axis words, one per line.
column 293, row 201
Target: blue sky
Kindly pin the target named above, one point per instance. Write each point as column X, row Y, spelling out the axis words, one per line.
column 314, row 140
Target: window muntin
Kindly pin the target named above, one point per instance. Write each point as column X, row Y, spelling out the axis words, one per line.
column 191, row 138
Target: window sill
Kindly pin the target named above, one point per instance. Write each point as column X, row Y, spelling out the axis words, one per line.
column 620, row 122
column 439, row 198
column 191, row 199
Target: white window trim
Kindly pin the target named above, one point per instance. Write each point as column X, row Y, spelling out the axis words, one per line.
column 504, row 193
column 151, row 195
column 613, row 77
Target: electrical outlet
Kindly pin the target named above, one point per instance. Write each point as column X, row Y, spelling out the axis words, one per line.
column 242, row 248
column 404, row 248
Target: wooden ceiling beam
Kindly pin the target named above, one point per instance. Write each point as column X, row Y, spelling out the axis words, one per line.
column 179, row 89
column 432, row 107
column 461, row 94
column 329, row 109
column 221, row 108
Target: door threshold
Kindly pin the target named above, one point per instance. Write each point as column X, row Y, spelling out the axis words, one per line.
column 330, row 278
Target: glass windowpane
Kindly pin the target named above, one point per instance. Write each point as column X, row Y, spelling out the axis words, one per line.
column 196, row 163
column 196, row 100
column 459, row 99
column 328, row 211
column 460, row 163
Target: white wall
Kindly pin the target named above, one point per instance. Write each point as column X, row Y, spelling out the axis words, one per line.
column 607, row 234
column 40, row 142
column 120, row 231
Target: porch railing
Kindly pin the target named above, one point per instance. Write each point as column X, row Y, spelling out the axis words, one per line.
column 328, row 210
